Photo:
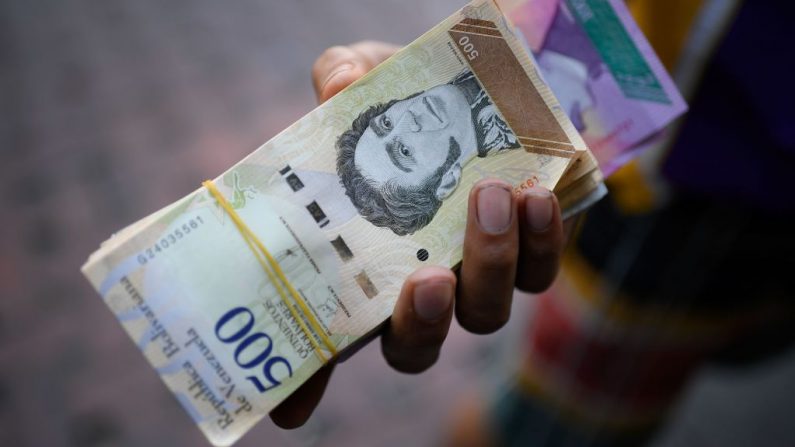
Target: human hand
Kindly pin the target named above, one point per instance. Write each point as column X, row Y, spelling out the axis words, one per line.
column 510, row 241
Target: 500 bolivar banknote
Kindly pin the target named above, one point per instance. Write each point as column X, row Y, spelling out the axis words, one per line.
column 348, row 201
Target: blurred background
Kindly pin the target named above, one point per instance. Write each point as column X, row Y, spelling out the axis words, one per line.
column 111, row 110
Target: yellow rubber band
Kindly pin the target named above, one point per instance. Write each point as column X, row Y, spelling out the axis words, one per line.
column 276, row 276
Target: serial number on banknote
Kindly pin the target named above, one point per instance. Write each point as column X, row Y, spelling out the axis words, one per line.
column 169, row 240
column 526, row 184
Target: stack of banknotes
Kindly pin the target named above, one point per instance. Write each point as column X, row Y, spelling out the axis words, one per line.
column 239, row 292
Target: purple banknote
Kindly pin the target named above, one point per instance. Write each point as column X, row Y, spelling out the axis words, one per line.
column 602, row 70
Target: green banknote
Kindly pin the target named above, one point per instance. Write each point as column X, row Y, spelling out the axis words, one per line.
column 348, row 200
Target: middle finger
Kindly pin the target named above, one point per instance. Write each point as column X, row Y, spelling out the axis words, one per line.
column 491, row 248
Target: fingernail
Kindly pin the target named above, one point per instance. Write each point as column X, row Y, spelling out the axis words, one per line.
column 538, row 206
column 432, row 300
column 338, row 70
column 494, row 208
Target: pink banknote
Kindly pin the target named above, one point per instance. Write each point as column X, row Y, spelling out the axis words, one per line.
column 602, row 70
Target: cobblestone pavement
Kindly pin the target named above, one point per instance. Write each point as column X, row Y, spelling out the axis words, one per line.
column 111, row 110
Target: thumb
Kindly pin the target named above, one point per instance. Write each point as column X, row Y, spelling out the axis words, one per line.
column 340, row 66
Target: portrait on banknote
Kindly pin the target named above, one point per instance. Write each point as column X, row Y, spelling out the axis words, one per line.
column 570, row 63
column 400, row 159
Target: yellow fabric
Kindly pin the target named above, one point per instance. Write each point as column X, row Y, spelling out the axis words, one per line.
column 630, row 191
column 276, row 276
column 666, row 24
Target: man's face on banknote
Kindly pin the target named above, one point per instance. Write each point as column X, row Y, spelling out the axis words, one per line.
column 401, row 159
column 569, row 78
column 411, row 140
